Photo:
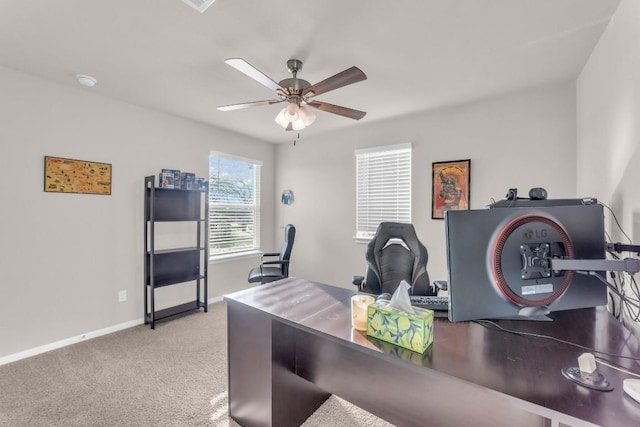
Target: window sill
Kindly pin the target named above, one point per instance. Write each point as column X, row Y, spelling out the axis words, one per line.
column 362, row 240
column 234, row 257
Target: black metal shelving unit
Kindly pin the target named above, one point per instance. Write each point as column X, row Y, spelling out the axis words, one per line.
column 174, row 266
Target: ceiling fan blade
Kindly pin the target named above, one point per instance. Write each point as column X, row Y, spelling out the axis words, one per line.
column 344, row 78
column 251, row 71
column 232, row 107
column 336, row 109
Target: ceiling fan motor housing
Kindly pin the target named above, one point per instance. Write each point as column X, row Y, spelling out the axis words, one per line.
column 294, row 65
column 294, row 85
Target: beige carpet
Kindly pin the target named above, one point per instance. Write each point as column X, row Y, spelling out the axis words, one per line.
column 175, row 375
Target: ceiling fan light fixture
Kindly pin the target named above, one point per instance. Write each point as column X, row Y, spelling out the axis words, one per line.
column 291, row 112
column 281, row 120
column 295, row 117
column 302, row 118
column 298, row 124
column 306, row 115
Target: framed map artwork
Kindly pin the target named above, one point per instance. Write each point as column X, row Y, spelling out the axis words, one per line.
column 76, row 176
column 450, row 187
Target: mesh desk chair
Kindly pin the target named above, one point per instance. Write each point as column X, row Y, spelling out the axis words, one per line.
column 275, row 269
column 395, row 254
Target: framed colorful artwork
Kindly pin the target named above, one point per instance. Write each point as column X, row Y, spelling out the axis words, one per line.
column 450, row 187
column 76, row 176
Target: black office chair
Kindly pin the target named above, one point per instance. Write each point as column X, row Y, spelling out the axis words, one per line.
column 395, row 254
column 271, row 270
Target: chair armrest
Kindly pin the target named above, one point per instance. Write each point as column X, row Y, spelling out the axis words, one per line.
column 441, row 285
column 357, row 280
column 281, row 262
column 270, row 254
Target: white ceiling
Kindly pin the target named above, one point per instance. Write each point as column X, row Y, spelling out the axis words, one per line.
column 418, row 54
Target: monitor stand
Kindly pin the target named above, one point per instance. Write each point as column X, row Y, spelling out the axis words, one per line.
column 535, row 313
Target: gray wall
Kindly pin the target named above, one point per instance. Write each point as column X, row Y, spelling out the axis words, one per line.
column 608, row 125
column 64, row 257
column 523, row 140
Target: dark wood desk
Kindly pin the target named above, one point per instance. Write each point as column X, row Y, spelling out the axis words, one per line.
column 291, row 345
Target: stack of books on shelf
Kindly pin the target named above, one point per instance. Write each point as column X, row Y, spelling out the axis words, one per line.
column 175, row 179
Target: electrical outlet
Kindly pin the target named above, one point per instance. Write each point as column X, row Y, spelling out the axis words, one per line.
column 122, row 296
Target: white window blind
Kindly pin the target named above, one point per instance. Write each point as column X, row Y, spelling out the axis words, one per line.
column 383, row 187
column 234, row 205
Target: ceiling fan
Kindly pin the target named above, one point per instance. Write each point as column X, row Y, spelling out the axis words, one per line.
column 298, row 94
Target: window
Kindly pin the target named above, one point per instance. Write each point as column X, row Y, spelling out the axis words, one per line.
column 234, row 205
column 383, row 187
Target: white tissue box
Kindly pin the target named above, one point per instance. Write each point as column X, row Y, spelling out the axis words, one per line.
column 411, row 331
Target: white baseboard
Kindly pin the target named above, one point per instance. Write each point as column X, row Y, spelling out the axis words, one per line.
column 68, row 341
column 78, row 338
column 215, row 299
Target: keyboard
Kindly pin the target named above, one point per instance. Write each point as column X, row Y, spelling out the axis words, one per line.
column 432, row 302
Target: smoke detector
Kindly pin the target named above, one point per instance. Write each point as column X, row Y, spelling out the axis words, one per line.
column 199, row 5
column 85, row 80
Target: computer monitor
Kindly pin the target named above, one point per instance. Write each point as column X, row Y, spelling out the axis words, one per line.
column 498, row 259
